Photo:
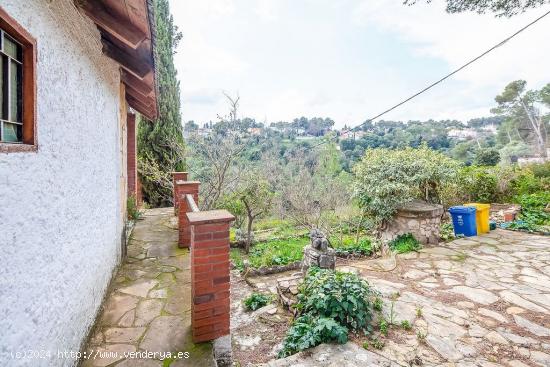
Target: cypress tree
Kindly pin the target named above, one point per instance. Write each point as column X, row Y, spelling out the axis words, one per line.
column 160, row 142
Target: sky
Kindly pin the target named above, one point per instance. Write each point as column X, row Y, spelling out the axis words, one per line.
column 349, row 59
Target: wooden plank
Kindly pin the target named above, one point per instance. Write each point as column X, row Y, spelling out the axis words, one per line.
column 137, row 12
column 129, row 62
column 135, row 93
column 147, row 111
column 120, row 28
column 135, row 83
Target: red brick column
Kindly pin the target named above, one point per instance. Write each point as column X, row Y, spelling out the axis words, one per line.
column 177, row 176
column 131, row 149
column 210, row 281
column 183, row 188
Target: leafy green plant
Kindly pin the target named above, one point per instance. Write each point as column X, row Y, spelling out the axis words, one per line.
column 534, row 215
column 384, row 327
column 329, row 304
column 269, row 253
column 378, row 304
column 406, row 325
column 339, row 295
column 132, row 208
column 236, row 258
column 344, row 248
column 421, row 336
column 405, row 243
column 377, row 343
column 256, row 301
column 419, row 311
column 277, row 252
column 308, row 331
column 446, row 232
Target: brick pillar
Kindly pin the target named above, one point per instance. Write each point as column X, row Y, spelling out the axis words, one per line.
column 177, row 176
column 210, row 280
column 131, row 150
column 183, row 188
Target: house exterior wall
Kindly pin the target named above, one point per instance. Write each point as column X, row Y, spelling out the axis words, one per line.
column 60, row 207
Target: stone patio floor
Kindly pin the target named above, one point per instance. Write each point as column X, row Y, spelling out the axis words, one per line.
column 478, row 301
column 149, row 304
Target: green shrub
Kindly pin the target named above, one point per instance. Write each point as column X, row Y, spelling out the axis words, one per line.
column 308, row 331
column 339, row 295
column 256, row 301
column 329, row 304
column 487, row 157
column 541, row 170
column 405, row 243
column 480, row 184
column 388, row 178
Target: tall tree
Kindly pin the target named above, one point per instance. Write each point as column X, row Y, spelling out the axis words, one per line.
column 160, row 143
column 521, row 109
column 501, row 8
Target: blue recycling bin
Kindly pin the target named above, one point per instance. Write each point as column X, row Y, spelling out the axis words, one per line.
column 464, row 220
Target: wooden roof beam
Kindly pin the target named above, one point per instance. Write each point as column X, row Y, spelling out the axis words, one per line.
column 136, row 84
column 148, row 110
column 145, row 100
column 122, row 30
column 130, row 63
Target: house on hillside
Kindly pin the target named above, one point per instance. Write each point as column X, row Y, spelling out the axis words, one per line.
column 72, row 74
column 462, row 134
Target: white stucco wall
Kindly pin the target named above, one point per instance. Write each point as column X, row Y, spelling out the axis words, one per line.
column 60, row 221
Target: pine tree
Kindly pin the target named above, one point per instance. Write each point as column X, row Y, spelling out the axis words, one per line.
column 160, row 142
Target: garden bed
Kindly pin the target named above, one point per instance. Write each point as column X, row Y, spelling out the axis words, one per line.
column 279, row 255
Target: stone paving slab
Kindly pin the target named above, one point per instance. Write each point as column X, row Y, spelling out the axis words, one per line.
column 480, row 301
column 148, row 307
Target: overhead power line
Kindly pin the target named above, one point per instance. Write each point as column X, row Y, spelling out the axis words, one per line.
column 442, row 79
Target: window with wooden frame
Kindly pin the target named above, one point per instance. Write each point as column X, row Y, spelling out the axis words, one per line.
column 17, row 87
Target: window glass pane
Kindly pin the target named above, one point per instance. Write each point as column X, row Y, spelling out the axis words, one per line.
column 12, row 48
column 15, row 91
column 12, row 132
column 2, row 87
column 5, row 91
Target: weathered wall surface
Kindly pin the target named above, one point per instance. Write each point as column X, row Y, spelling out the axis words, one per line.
column 60, row 221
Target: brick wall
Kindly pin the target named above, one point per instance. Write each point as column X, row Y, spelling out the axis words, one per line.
column 177, row 176
column 210, row 279
column 207, row 235
column 183, row 188
column 131, row 155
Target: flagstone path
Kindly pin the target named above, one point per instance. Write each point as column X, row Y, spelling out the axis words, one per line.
column 481, row 301
column 148, row 306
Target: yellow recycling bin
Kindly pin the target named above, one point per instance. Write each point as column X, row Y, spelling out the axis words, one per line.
column 482, row 217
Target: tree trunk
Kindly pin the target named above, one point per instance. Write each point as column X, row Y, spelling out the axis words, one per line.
column 536, row 128
column 248, row 233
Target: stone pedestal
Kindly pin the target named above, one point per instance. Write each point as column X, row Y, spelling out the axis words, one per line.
column 317, row 253
column 419, row 218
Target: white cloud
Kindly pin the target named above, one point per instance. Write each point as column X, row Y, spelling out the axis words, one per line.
column 267, row 10
column 457, row 38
